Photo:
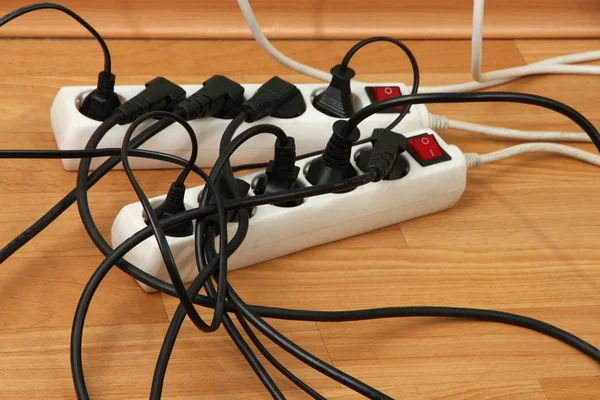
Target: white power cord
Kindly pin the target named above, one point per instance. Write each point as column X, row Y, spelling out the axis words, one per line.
column 306, row 70
column 441, row 122
column 550, row 66
column 474, row 159
column 262, row 40
column 489, row 79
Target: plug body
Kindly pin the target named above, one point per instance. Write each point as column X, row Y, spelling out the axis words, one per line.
column 336, row 100
column 160, row 94
column 334, row 165
column 281, row 174
column 218, row 97
column 385, row 155
column 225, row 194
column 387, row 145
column 399, row 169
column 100, row 103
column 271, row 97
column 173, row 205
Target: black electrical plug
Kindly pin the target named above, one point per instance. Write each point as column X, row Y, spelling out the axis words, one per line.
column 174, row 205
column 281, row 174
column 276, row 97
column 384, row 157
column 226, row 194
column 334, row 165
column 160, row 94
column 336, row 100
column 218, row 97
column 100, row 103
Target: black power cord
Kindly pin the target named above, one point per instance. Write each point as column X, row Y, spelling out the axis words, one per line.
column 284, row 371
column 355, row 315
column 76, row 360
column 411, row 58
column 368, row 314
column 336, row 99
column 475, row 97
column 244, row 167
column 71, row 197
column 160, row 235
column 100, row 103
column 159, row 94
column 53, row 6
column 217, row 96
column 307, row 315
column 224, row 170
column 204, row 273
column 334, row 165
column 117, row 254
column 187, row 305
column 213, row 265
column 270, row 93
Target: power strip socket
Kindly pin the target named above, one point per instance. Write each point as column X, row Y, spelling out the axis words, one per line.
column 434, row 182
column 311, row 130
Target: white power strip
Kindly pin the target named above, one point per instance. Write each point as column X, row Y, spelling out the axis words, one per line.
column 430, row 186
column 311, row 130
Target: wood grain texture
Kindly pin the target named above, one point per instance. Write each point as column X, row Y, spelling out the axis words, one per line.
column 579, row 388
column 522, row 239
column 333, row 19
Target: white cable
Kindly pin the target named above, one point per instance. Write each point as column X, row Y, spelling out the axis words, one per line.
column 474, row 159
column 262, row 40
column 440, row 123
column 480, row 82
column 477, row 40
column 550, row 66
column 281, row 58
column 278, row 56
column 461, row 87
column 476, row 59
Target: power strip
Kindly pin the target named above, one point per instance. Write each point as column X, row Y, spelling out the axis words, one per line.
column 311, row 130
column 435, row 181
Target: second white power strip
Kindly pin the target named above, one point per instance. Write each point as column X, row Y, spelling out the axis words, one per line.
column 311, row 130
column 436, row 179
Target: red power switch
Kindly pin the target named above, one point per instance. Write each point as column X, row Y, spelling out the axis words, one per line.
column 378, row 93
column 426, row 147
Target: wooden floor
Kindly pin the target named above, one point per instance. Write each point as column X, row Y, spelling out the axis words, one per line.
column 524, row 238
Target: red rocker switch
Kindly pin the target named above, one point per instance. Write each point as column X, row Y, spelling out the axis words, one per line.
column 378, row 93
column 426, row 150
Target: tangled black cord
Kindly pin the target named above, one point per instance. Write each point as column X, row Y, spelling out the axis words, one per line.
column 53, row 6
column 254, row 312
column 205, row 273
column 210, row 267
column 210, row 262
